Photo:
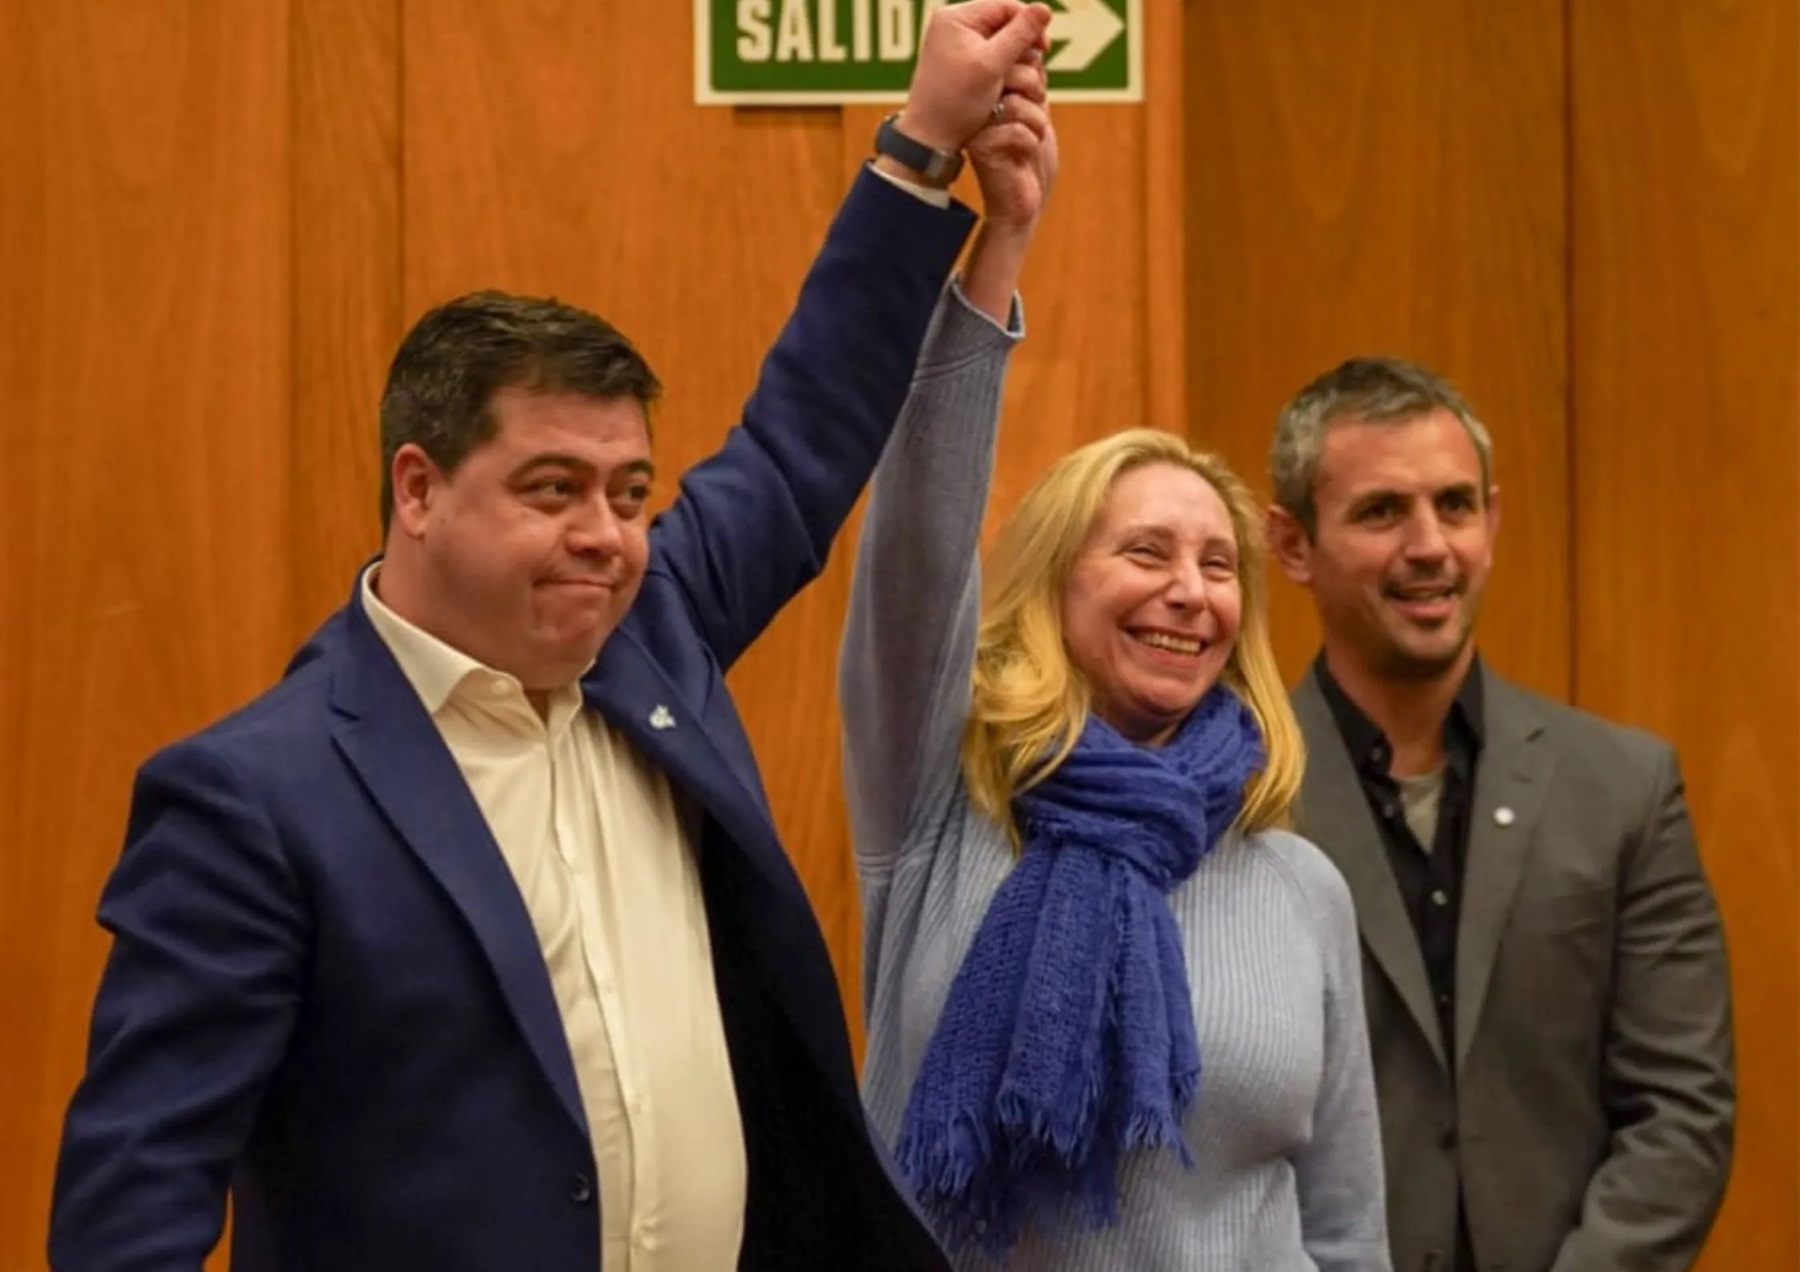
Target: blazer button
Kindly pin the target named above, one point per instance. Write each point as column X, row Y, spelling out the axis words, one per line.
column 1447, row 1138
column 581, row 1189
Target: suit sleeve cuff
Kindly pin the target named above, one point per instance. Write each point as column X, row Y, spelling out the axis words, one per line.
column 935, row 197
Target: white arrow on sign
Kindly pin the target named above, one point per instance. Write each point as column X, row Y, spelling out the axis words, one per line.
column 1088, row 26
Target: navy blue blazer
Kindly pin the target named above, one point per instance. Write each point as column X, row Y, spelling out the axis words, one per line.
column 324, row 990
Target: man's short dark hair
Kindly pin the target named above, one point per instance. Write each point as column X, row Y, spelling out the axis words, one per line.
column 1376, row 390
column 441, row 384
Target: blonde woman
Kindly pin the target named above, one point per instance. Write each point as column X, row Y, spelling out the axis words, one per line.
column 1114, row 1010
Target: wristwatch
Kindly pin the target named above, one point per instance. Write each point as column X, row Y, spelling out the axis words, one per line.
column 937, row 167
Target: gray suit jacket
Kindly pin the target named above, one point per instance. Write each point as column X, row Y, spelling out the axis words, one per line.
column 1590, row 1119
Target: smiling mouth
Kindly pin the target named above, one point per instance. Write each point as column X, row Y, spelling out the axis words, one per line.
column 1430, row 606
column 1192, row 646
column 1420, row 594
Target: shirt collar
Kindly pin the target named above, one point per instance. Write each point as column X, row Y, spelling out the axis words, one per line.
column 436, row 670
column 1464, row 729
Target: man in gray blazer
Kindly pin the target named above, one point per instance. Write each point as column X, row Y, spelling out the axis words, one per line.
column 1543, row 962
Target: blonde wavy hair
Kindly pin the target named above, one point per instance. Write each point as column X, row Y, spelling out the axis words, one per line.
column 1030, row 702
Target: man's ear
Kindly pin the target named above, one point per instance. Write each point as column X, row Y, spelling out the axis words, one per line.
column 1290, row 545
column 416, row 478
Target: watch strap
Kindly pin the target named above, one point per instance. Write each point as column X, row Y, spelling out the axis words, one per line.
column 936, row 167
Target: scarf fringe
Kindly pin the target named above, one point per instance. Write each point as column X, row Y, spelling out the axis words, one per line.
column 1030, row 1128
column 1154, row 1128
column 943, row 1159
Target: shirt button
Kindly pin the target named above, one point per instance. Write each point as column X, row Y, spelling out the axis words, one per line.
column 645, row 1237
column 1438, row 897
column 581, row 1189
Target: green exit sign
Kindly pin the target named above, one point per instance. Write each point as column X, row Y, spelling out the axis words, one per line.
column 813, row 52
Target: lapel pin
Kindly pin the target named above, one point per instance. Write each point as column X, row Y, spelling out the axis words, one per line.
column 1502, row 816
column 661, row 719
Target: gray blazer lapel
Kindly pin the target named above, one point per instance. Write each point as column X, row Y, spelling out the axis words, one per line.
column 1335, row 814
column 1511, row 780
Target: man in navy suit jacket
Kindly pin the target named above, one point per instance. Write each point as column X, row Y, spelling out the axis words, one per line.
column 383, row 971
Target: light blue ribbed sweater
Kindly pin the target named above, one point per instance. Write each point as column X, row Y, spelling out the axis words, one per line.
column 1288, row 1174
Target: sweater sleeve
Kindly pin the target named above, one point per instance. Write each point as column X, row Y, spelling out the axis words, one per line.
column 1343, row 1201
column 915, row 599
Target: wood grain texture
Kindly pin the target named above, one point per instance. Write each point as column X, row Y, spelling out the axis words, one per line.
column 1388, row 177
column 1686, row 326
column 1163, row 227
column 143, row 516
column 346, row 289
column 214, row 230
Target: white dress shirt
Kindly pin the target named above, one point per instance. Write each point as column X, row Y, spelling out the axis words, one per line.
column 604, row 864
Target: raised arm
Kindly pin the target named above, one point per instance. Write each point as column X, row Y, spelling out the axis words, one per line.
column 754, row 523
column 1669, row 1076
column 915, row 599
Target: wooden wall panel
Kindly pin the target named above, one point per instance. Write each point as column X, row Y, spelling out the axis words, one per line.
column 1163, row 230
column 1686, row 327
column 214, row 233
column 346, row 289
column 143, row 342
column 1387, row 176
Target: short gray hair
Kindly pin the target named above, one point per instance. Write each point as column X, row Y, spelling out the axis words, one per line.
column 1372, row 389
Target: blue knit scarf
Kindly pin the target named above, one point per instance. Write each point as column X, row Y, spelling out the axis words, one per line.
column 1068, row 1034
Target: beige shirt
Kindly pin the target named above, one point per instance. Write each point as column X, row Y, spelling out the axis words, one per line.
column 591, row 833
